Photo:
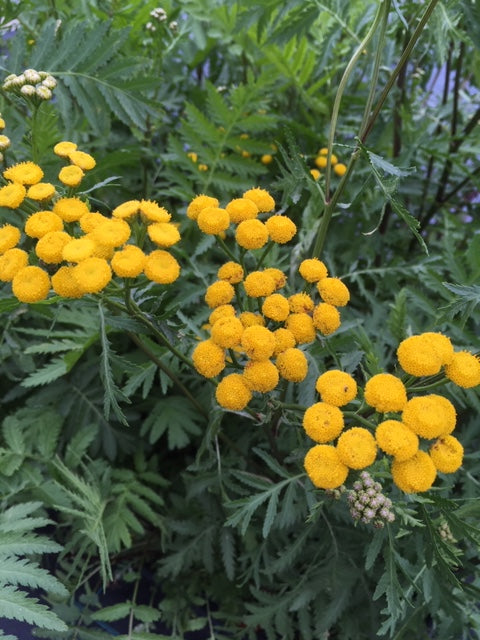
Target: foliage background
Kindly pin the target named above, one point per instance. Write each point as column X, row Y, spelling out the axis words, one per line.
column 207, row 518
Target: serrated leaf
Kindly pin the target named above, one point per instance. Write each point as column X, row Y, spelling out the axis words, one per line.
column 23, row 572
column 16, row 605
column 113, row 613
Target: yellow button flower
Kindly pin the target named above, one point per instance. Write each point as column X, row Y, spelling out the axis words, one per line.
column 258, row 342
column 12, row 195
column 198, row 203
column 301, row 303
column 302, row 327
column 213, row 220
column 284, row 339
column 31, row 284
column 227, row 332
column 430, row 416
column 414, row 475
column 49, row 248
column 259, row 284
column 90, row 221
column 9, row 237
column 161, row 267
column 261, row 198
column 333, row 291
column 261, row 375
column 11, row 262
column 219, row 293
column 231, row 272
column 279, row 278
column 64, row 284
column 153, row 212
column 233, row 393
column 251, row 234
column 128, row 262
column 396, row 439
column 41, row 191
column 163, row 234
column 112, row 232
column 71, row 176
column 340, row 169
column 280, row 229
column 336, row 387
column 385, row 392
column 312, row 270
column 464, row 369
column 41, row 222
column 323, row 422
column 418, row 356
column 208, row 359
column 78, row 249
column 92, row 275
column 292, row 364
column 250, row 319
column 222, row 311
column 24, row 173
column 276, row 307
column 326, row 318
column 241, row 209
column 64, row 148
column 128, row 210
column 324, row 467
column 70, row 209
column 357, row 448
column 447, row 454
column 81, row 159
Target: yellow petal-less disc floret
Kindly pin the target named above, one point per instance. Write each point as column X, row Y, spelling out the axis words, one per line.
column 323, row 422
column 418, row 356
column 261, row 198
column 85, row 161
column 441, row 344
column 208, row 358
column 259, row 284
column 324, row 467
column 333, row 291
column 127, row 209
column 90, row 221
column 218, row 293
column 301, row 303
column 12, row 195
column 302, row 327
column 163, row 234
column 9, row 237
column 112, row 232
column 258, row 342
column 320, row 162
column 231, row 272
column 396, row 439
column 153, row 212
column 199, row 203
column 24, row 173
column 161, row 267
column 71, row 176
column 213, row 220
column 227, row 332
column 276, row 307
column 357, row 448
column 233, row 393
column 64, row 148
column 414, row 475
column 280, row 229
column 447, row 454
column 336, row 387
column 128, row 262
column 250, row 319
column 41, row 222
column 78, row 249
column 64, row 284
column 11, row 262
column 31, row 284
column 430, row 416
column 326, row 318
column 70, row 209
column 292, row 364
column 241, row 209
column 92, row 274
column 41, row 192
column 284, row 339
column 464, row 369
column 261, row 375
column 222, row 311
column 49, row 248
column 312, row 270
column 385, row 392
column 340, row 169
column 251, row 234
column 279, row 278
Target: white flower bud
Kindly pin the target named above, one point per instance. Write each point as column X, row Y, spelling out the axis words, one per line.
column 43, row 92
column 27, row 90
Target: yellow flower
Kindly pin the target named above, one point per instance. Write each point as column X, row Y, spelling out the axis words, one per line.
column 416, row 474
column 323, row 422
column 50, row 246
column 112, row 232
column 90, row 220
column 101, row 250
column 324, row 467
column 12, row 195
column 258, row 342
column 41, row 191
column 11, row 262
column 127, row 209
column 385, row 392
column 333, row 291
column 203, row 167
column 78, row 249
column 128, row 262
column 279, row 278
column 441, row 344
column 161, row 267
column 70, row 209
column 222, row 311
column 92, row 274
column 340, row 169
column 250, row 319
column 24, row 173
column 261, row 198
column 64, row 148
column 312, row 270
column 220, row 292
column 418, row 356
column 323, row 151
column 251, row 234
column 227, row 332
column 231, row 272
column 4, row 142
column 396, row 439
column 213, row 220
column 258, row 284
column 266, row 158
column 447, row 454
column 261, row 375
column 357, row 448
column 64, row 284
column 336, row 387
column 430, row 416
column 241, row 209
column 9, row 237
column 31, row 284
column 208, row 359
column 301, row 303
column 464, row 369
column 232, row 392
column 280, row 229
column 199, row 203
column 164, row 234
column 154, row 212
column 81, row 159
column 301, row 325
column 321, row 162
column 276, row 307
column 292, row 364
column 284, row 339
column 326, row 318
column 41, row 222
column 315, row 173
column 71, row 175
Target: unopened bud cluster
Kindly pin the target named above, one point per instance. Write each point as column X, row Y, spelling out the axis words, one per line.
column 158, row 14
column 367, row 502
column 31, row 84
column 445, row 533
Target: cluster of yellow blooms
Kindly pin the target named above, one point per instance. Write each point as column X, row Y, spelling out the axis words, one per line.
column 430, row 417
column 264, row 345
column 321, row 161
column 68, row 247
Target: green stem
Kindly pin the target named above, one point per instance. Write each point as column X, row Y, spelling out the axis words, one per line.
column 355, row 416
column 266, row 251
column 35, row 152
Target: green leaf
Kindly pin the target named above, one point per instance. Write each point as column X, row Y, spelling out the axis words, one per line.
column 172, row 415
column 23, row 572
column 16, row 605
column 113, row 613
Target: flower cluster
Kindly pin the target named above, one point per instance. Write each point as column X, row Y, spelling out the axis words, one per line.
column 367, row 502
column 321, row 161
column 37, row 85
column 70, row 248
column 400, row 433
column 264, row 345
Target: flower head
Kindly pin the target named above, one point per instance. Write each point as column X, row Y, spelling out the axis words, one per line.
column 227, row 332
column 464, row 369
column 213, row 220
column 284, row 339
column 302, row 327
column 24, row 173
column 251, row 234
column 218, row 293
column 357, row 448
column 161, row 267
column 163, row 234
column 41, row 191
column 385, row 392
column 280, row 229
column 415, row 474
column 112, row 232
column 261, row 198
column 261, row 375
column 258, row 342
column 153, row 211
column 323, row 422
column 11, row 262
column 326, row 318
column 259, row 284
column 128, row 262
column 222, row 311
column 31, row 284
column 12, row 195
column 9, row 237
column 41, row 222
column 78, row 249
column 92, row 274
column 292, row 364
column 64, row 148
column 418, row 356
column 396, row 439
column 70, row 209
column 233, row 393
column 208, row 359
column 312, row 270
column 64, row 283
column 82, row 160
column 324, row 467
column 71, row 176
column 231, row 272
column 430, row 416
column 49, row 247
column 127, row 209
column 276, row 307
column 301, row 303
column 199, row 203
column 241, row 209
column 447, row 454
column 333, row 291
column 336, row 387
